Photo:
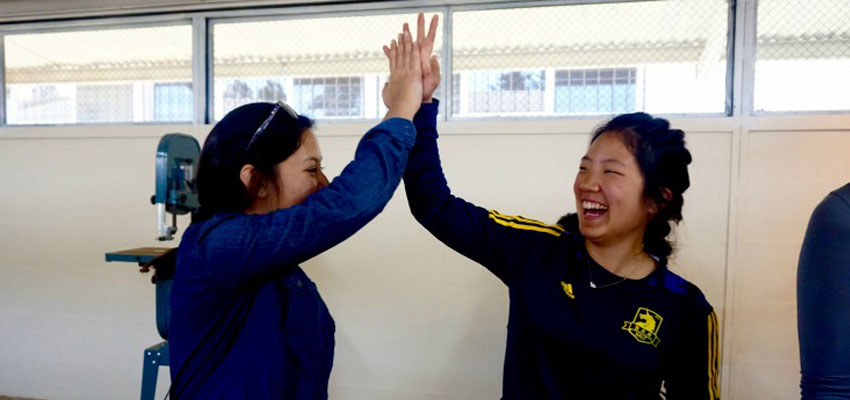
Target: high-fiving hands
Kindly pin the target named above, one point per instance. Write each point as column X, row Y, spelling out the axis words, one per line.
column 403, row 93
column 430, row 65
column 429, row 68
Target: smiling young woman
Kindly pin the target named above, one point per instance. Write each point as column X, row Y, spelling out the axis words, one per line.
column 246, row 321
column 594, row 311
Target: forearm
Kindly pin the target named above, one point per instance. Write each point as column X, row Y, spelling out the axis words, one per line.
column 461, row 225
column 264, row 243
column 426, row 186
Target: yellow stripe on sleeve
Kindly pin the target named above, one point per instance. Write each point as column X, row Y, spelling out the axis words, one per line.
column 521, row 220
column 713, row 357
column 525, row 226
column 526, row 220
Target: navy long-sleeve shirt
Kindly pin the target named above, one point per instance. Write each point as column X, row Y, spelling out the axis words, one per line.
column 635, row 339
column 823, row 300
column 246, row 322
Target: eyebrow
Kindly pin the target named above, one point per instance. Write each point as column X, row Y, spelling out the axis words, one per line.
column 316, row 159
column 609, row 160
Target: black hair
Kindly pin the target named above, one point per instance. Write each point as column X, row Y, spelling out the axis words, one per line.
column 663, row 160
column 225, row 151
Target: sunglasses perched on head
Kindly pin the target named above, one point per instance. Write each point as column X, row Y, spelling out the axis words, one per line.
column 277, row 107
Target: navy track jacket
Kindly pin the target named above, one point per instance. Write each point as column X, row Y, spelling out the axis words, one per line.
column 246, row 322
column 636, row 339
column 823, row 301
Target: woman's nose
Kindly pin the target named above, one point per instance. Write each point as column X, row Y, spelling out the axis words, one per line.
column 323, row 180
column 589, row 183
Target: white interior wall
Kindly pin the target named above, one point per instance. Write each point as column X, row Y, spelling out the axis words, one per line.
column 414, row 319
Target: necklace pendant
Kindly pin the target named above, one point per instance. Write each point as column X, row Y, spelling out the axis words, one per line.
column 592, row 285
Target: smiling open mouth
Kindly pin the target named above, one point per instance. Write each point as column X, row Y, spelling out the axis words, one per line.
column 593, row 209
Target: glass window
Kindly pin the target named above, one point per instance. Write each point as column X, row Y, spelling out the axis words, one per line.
column 455, row 94
column 95, row 76
column 329, row 97
column 504, row 91
column 172, row 101
column 92, row 101
column 241, row 91
column 40, row 104
column 654, row 56
column 328, row 68
column 802, row 55
column 590, row 91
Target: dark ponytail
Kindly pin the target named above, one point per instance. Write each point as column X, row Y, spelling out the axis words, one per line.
column 569, row 222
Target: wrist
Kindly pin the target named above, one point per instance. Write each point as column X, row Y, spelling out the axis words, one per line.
column 406, row 111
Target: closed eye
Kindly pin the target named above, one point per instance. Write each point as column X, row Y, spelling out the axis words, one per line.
column 610, row 171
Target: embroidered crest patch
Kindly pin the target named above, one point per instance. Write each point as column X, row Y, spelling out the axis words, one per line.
column 644, row 327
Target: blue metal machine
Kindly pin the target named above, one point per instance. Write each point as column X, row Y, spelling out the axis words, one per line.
column 176, row 161
column 177, row 158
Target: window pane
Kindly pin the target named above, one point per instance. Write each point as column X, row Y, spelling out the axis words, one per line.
column 802, row 55
column 98, row 75
column 594, row 91
column 329, row 97
column 109, row 102
column 654, row 56
column 327, row 68
column 505, row 91
column 173, row 101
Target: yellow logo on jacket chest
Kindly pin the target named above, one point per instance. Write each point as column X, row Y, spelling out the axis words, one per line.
column 568, row 290
column 644, row 327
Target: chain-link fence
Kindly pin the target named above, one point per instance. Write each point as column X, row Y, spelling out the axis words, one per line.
column 802, row 55
column 327, row 68
column 658, row 56
column 94, row 76
column 561, row 60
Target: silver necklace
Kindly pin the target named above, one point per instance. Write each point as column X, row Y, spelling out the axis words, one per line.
column 590, row 275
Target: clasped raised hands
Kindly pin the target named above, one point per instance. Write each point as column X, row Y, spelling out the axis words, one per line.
column 403, row 93
column 420, row 62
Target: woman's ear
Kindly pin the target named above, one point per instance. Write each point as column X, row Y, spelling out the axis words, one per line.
column 667, row 194
column 654, row 207
column 246, row 175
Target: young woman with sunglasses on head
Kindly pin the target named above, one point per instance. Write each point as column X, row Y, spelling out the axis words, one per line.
column 247, row 323
column 594, row 311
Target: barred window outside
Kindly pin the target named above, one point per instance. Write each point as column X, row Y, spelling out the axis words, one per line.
column 329, row 68
column 173, row 101
column 240, row 91
column 330, row 97
column 503, row 91
column 590, row 59
column 802, row 56
column 580, row 59
column 98, row 76
column 610, row 90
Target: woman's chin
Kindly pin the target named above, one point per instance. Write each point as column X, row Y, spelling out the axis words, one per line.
column 590, row 232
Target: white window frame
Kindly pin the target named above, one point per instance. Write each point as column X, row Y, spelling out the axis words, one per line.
column 741, row 45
